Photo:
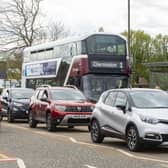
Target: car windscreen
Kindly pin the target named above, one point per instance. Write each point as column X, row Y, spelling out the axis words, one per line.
column 150, row 99
column 22, row 94
column 67, row 94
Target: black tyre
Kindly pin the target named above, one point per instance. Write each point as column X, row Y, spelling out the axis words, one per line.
column 10, row 117
column 89, row 128
column 132, row 138
column 1, row 117
column 50, row 123
column 70, row 126
column 96, row 135
column 32, row 121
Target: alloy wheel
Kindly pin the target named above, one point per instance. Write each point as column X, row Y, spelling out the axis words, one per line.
column 133, row 139
column 96, row 135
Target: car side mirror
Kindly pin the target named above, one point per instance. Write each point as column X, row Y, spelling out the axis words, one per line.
column 122, row 107
column 5, row 98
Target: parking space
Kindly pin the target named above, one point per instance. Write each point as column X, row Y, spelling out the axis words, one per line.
column 81, row 136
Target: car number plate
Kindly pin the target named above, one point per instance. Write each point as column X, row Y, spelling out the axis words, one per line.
column 79, row 116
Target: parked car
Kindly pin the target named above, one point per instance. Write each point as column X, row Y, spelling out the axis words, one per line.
column 15, row 103
column 140, row 116
column 63, row 106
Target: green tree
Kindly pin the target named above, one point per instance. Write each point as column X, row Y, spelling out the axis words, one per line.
column 140, row 47
column 14, row 66
column 159, row 48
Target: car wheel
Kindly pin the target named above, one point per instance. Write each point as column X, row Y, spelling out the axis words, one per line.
column 10, row 117
column 71, row 126
column 32, row 121
column 96, row 135
column 132, row 139
column 50, row 123
column 1, row 117
column 89, row 128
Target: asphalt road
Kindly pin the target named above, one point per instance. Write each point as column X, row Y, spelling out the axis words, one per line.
column 21, row 146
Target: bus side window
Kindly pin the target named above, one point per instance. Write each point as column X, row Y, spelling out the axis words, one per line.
column 73, row 49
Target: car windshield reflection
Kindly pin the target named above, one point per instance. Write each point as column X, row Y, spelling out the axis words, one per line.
column 150, row 99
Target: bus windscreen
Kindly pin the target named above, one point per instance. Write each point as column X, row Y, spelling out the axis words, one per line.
column 106, row 45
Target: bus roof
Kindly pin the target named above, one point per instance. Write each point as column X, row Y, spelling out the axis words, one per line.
column 67, row 40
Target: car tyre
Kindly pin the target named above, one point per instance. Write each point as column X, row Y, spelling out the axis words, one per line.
column 1, row 117
column 132, row 138
column 89, row 128
column 10, row 117
column 71, row 126
column 32, row 121
column 96, row 134
column 50, row 123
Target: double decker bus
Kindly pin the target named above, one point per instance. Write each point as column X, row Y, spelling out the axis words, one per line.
column 93, row 63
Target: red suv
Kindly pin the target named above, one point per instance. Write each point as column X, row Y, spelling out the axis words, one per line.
column 62, row 106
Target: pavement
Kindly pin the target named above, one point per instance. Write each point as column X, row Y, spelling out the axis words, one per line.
column 70, row 148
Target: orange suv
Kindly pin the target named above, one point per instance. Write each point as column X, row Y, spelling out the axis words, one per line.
column 59, row 106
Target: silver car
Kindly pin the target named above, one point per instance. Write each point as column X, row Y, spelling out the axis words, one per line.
column 139, row 116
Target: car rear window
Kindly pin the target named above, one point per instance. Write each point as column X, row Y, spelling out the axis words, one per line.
column 22, row 93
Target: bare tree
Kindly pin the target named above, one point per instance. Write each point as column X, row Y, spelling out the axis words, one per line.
column 19, row 24
column 57, row 30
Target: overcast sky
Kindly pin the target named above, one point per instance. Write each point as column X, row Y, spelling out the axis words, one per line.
column 88, row 15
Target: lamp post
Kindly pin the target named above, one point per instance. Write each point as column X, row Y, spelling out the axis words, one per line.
column 129, row 28
column 129, row 37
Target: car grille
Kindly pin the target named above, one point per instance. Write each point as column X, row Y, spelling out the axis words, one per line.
column 78, row 109
column 165, row 137
column 71, row 120
column 24, row 107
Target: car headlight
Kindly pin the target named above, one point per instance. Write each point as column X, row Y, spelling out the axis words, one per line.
column 149, row 120
column 60, row 108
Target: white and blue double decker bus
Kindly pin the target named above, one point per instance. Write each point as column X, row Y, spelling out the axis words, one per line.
column 94, row 63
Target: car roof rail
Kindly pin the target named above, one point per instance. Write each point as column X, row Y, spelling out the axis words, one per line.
column 71, row 86
column 45, row 86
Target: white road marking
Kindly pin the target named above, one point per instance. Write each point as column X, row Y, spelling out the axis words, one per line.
column 73, row 140
column 19, row 161
column 164, row 165
column 89, row 166
column 93, row 145
column 140, row 157
column 16, row 126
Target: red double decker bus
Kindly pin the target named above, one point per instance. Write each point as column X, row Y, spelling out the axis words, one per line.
column 93, row 63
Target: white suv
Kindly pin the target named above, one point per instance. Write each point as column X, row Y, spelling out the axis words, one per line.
column 137, row 115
